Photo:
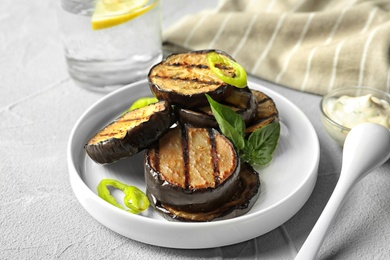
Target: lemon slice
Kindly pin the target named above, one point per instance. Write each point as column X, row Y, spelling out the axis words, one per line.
column 110, row 13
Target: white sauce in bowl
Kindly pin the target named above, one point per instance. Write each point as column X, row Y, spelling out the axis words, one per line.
column 351, row 111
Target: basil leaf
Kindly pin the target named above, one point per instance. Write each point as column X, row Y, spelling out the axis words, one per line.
column 245, row 153
column 230, row 132
column 263, row 142
column 230, row 123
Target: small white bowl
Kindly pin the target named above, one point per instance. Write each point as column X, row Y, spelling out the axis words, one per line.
column 337, row 131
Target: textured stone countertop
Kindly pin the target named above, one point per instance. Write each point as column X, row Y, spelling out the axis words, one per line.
column 40, row 217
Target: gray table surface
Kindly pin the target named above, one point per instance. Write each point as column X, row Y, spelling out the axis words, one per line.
column 40, row 218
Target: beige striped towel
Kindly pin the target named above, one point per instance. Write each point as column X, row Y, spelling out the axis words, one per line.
column 309, row 45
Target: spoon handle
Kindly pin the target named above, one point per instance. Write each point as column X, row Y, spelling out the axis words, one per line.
column 314, row 241
column 366, row 147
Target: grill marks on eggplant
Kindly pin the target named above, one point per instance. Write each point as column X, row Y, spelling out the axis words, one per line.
column 187, row 74
column 193, row 158
column 246, row 193
column 130, row 133
column 190, row 68
column 214, row 156
column 167, row 156
column 187, row 81
column 119, row 128
column 185, row 65
column 215, row 151
column 200, row 73
column 267, row 112
column 184, row 145
column 184, row 78
column 192, row 170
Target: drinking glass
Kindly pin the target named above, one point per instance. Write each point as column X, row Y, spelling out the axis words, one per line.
column 106, row 59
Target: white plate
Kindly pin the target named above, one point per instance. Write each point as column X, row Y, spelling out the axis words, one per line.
column 287, row 181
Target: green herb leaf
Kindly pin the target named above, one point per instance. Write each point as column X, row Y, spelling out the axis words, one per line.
column 230, row 123
column 264, row 142
column 261, row 144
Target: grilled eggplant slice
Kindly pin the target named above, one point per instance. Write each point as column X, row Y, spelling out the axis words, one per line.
column 246, row 194
column 192, row 168
column 241, row 100
column 184, row 79
column 194, row 172
column 267, row 112
column 130, row 133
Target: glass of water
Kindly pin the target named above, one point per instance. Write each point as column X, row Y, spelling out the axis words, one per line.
column 118, row 51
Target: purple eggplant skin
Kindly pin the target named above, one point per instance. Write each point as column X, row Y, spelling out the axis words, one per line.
column 245, row 195
column 135, row 140
column 185, row 198
column 267, row 112
column 188, row 72
column 197, row 200
column 195, row 118
column 188, row 101
column 246, row 103
column 242, row 101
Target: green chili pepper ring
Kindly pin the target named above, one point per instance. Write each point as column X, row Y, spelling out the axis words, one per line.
column 238, row 80
column 141, row 102
column 134, row 199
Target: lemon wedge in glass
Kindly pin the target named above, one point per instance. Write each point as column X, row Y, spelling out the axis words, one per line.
column 109, row 13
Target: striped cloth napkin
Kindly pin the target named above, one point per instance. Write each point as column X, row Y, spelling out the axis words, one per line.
column 309, row 45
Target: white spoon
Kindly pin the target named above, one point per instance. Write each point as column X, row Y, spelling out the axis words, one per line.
column 366, row 147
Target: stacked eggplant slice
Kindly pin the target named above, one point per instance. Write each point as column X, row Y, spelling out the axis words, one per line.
column 130, row 133
column 192, row 171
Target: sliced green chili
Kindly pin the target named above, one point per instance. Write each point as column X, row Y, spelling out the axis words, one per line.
column 143, row 102
column 134, row 199
column 215, row 60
